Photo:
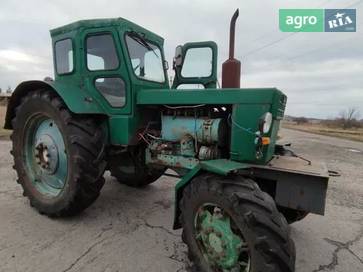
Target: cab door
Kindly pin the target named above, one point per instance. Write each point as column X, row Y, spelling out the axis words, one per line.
column 104, row 70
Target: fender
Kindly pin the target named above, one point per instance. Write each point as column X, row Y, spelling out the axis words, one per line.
column 179, row 187
column 219, row 167
column 76, row 98
column 297, row 185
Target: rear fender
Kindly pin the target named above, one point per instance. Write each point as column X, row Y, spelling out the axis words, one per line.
column 76, row 98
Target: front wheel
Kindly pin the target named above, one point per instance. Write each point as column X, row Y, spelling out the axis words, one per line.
column 229, row 224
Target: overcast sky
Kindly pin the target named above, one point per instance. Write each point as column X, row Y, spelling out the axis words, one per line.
column 322, row 73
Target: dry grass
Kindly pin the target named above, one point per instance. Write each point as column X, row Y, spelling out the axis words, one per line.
column 3, row 132
column 350, row 134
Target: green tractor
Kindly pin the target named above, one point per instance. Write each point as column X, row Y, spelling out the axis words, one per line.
column 110, row 107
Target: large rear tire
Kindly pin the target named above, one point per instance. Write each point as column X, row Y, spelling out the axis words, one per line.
column 229, row 224
column 59, row 156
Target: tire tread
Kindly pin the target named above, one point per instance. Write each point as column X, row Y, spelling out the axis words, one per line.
column 272, row 232
column 87, row 154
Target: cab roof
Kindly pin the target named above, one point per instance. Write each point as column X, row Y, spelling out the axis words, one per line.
column 95, row 23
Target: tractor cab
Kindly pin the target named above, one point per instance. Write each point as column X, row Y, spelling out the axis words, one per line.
column 109, row 59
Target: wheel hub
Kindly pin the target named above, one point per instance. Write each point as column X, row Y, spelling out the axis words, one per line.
column 222, row 247
column 46, row 154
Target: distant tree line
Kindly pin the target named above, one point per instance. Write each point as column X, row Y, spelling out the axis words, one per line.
column 8, row 90
column 346, row 119
column 301, row 120
column 349, row 118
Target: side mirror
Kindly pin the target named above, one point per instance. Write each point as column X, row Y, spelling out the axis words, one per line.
column 178, row 58
column 196, row 63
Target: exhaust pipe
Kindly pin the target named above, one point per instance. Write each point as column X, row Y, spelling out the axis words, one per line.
column 231, row 68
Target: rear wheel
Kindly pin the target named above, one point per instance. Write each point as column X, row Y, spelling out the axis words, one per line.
column 59, row 157
column 129, row 168
column 229, row 224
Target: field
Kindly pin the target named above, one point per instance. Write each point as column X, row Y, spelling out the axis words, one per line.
column 3, row 132
column 349, row 134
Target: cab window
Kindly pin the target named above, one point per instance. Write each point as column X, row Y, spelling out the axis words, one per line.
column 146, row 58
column 64, row 56
column 113, row 90
column 101, row 53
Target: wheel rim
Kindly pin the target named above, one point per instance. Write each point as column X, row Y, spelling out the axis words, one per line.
column 220, row 241
column 45, row 156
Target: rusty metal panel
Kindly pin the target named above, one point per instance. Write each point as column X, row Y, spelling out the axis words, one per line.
column 305, row 193
column 300, row 185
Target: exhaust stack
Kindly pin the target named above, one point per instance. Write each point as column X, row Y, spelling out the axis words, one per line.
column 231, row 68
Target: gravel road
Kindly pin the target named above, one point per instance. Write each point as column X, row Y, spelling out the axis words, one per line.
column 130, row 230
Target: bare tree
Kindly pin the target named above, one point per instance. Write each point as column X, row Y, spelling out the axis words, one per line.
column 349, row 117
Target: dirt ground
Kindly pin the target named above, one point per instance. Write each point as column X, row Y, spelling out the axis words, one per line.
column 130, row 230
column 3, row 132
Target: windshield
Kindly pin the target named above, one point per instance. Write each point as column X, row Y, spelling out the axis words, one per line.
column 146, row 58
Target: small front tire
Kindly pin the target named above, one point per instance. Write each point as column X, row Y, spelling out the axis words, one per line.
column 229, row 224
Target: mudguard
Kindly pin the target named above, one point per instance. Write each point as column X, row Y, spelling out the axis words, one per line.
column 219, row 167
column 299, row 184
column 77, row 99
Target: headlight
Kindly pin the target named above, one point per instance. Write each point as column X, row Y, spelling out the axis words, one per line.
column 265, row 122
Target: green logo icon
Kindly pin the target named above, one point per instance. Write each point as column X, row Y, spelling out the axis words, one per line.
column 301, row 20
